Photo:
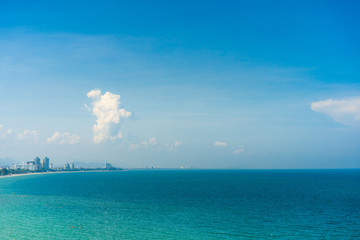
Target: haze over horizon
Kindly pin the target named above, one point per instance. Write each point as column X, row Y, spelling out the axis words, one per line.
column 206, row 84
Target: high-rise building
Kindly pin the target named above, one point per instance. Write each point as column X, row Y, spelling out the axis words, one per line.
column 72, row 165
column 66, row 166
column 108, row 166
column 37, row 163
column 45, row 163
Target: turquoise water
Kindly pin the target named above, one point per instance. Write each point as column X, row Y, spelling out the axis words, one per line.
column 206, row 204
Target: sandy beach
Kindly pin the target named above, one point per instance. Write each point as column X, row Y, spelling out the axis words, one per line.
column 40, row 173
column 27, row 174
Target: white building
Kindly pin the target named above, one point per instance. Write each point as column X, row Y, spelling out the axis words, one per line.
column 33, row 165
column 24, row 166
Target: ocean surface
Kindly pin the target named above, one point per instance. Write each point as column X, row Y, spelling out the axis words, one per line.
column 182, row 204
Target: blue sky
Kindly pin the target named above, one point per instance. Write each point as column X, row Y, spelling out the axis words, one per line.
column 207, row 84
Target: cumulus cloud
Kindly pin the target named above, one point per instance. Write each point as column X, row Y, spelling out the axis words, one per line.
column 63, row 138
column 220, row 144
column 106, row 108
column 150, row 142
column 344, row 111
column 239, row 150
column 27, row 135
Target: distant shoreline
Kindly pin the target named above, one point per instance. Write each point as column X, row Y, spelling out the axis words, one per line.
column 174, row 169
column 41, row 173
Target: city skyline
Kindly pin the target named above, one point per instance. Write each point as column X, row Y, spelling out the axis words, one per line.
column 201, row 85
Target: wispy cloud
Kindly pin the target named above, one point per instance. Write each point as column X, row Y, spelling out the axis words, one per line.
column 172, row 146
column 344, row 111
column 63, row 138
column 4, row 133
column 108, row 114
column 220, row 144
column 153, row 142
column 150, row 142
column 26, row 135
column 239, row 150
column 31, row 135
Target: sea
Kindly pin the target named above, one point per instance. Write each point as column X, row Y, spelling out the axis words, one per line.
column 182, row 204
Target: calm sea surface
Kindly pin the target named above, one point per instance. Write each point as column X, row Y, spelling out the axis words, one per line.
column 191, row 204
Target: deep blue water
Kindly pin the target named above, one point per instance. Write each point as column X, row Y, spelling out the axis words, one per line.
column 187, row 204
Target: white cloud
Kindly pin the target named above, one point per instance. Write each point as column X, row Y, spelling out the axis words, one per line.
column 150, row 142
column 220, row 144
column 239, row 150
column 63, row 138
column 27, row 135
column 96, row 93
column 172, row 146
column 87, row 107
column 135, row 146
column 107, row 110
column 4, row 133
column 345, row 111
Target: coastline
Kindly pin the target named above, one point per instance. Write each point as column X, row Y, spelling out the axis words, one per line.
column 41, row 173
column 27, row 174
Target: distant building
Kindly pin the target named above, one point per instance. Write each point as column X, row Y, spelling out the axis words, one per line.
column 30, row 167
column 34, row 165
column 37, row 163
column 108, row 166
column 46, row 163
column 67, row 166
